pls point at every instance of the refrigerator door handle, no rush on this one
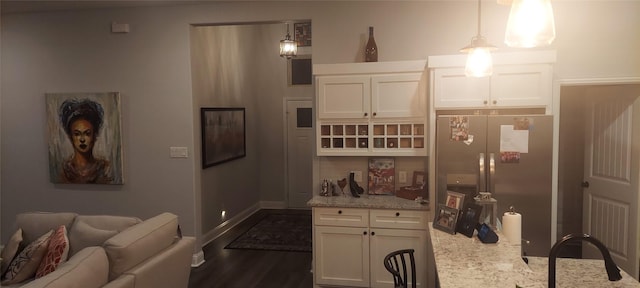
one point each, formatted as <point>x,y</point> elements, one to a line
<point>482,172</point>
<point>492,171</point>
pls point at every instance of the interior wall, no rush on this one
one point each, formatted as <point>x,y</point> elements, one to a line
<point>571,159</point>
<point>74,51</point>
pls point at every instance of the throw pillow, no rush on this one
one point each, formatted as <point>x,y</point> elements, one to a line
<point>10,250</point>
<point>24,266</point>
<point>83,235</point>
<point>57,252</point>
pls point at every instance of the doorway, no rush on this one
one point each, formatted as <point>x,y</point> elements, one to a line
<point>597,178</point>
<point>299,152</point>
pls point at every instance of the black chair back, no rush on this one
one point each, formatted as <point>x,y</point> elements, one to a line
<point>396,263</point>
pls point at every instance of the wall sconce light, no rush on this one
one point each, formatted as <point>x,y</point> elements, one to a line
<point>479,62</point>
<point>530,24</point>
<point>288,47</point>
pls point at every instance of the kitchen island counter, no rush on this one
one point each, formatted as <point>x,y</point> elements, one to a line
<point>466,262</point>
<point>367,201</point>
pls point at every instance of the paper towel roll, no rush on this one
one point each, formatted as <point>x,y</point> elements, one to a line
<point>512,227</point>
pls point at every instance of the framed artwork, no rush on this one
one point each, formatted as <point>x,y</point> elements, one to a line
<point>302,34</point>
<point>446,219</point>
<point>419,179</point>
<point>85,140</point>
<point>299,70</point>
<point>381,176</point>
<point>455,200</point>
<point>223,135</point>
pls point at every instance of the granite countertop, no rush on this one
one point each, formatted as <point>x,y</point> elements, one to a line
<point>367,201</point>
<point>466,262</point>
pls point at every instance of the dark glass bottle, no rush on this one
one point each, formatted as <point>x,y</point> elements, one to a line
<point>371,50</point>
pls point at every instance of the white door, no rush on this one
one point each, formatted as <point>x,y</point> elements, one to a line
<point>612,160</point>
<point>299,152</point>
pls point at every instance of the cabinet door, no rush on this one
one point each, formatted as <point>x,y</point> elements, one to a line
<point>384,241</point>
<point>343,97</point>
<point>401,95</point>
<point>521,86</point>
<point>341,256</point>
<point>452,89</point>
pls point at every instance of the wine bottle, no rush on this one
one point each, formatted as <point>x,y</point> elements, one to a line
<point>371,50</point>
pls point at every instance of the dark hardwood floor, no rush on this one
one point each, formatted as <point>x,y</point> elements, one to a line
<point>231,268</point>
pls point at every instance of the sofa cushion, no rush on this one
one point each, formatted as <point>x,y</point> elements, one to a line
<point>83,235</point>
<point>93,230</point>
<point>24,266</point>
<point>10,250</point>
<point>57,252</point>
<point>34,224</point>
<point>89,268</point>
<point>137,243</point>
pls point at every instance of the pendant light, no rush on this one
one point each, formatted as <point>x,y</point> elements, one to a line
<point>530,24</point>
<point>288,47</point>
<point>479,62</point>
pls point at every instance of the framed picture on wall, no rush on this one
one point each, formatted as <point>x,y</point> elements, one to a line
<point>302,34</point>
<point>223,135</point>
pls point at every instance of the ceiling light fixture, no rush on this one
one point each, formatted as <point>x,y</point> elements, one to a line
<point>288,47</point>
<point>479,62</point>
<point>530,24</point>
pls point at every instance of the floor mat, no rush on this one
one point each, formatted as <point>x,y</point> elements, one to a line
<point>280,232</point>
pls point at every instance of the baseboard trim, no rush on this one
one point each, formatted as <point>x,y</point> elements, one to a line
<point>197,259</point>
<point>273,205</point>
<point>226,225</point>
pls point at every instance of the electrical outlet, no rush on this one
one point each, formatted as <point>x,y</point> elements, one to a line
<point>402,177</point>
<point>357,176</point>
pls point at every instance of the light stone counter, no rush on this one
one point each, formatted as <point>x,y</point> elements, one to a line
<point>466,262</point>
<point>367,201</point>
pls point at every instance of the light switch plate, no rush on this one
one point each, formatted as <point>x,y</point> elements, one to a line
<point>178,152</point>
<point>402,175</point>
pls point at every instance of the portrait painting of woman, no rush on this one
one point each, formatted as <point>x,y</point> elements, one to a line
<point>85,145</point>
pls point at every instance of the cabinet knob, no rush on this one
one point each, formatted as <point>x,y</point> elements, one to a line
<point>364,233</point>
<point>339,211</point>
<point>366,114</point>
<point>373,233</point>
<point>495,102</point>
<point>485,102</point>
<point>374,113</point>
<point>397,214</point>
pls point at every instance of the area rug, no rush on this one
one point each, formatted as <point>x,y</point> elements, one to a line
<point>280,232</point>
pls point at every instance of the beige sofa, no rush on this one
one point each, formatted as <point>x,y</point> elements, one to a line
<point>149,253</point>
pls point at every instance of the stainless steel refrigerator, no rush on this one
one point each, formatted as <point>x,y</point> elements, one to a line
<point>507,155</point>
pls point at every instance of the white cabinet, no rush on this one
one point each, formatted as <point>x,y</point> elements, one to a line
<point>519,80</point>
<point>349,245</point>
<point>361,107</point>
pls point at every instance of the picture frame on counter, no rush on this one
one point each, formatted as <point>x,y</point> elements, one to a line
<point>381,176</point>
<point>446,219</point>
<point>455,200</point>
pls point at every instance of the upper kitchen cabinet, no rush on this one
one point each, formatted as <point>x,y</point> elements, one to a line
<point>519,80</point>
<point>368,109</point>
<point>370,90</point>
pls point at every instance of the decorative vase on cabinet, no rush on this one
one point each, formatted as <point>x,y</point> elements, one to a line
<point>371,50</point>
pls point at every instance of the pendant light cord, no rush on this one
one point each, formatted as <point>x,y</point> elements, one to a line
<point>479,16</point>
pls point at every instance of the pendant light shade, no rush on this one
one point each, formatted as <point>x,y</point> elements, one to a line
<point>288,47</point>
<point>530,24</point>
<point>479,61</point>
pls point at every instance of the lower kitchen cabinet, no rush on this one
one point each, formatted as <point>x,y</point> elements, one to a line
<point>350,244</point>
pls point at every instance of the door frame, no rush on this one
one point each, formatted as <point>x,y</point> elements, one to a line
<point>285,140</point>
<point>557,85</point>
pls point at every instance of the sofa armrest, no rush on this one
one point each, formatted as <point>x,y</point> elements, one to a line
<point>169,268</point>
<point>89,268</point>
<point>140,242</point>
